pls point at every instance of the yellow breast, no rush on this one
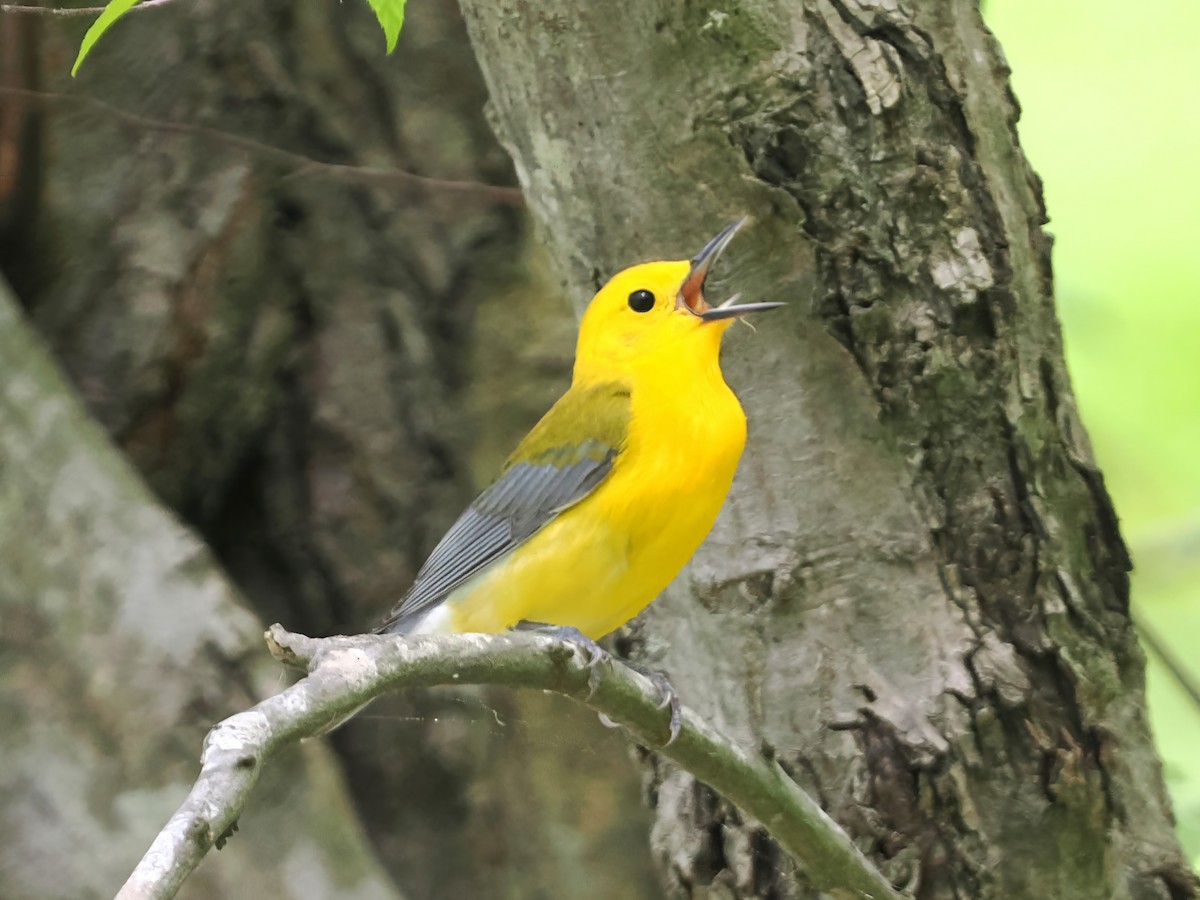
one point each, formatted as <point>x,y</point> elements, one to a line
<point>599,563</point>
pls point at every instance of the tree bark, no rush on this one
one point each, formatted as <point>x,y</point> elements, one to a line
<point>917,591</point>
<point>315,369</point>
<point>121,641</point>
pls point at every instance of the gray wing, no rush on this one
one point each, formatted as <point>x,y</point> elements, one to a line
<point>524,499</point>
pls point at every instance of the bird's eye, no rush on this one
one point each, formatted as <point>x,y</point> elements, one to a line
<point>641,301</point>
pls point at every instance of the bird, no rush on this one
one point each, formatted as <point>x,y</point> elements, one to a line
<point>615,488</point>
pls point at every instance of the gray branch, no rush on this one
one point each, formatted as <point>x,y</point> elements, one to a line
<point>74,10</point>
<point>346,672</point>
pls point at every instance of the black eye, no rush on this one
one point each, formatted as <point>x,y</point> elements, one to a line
<point>641,301</point>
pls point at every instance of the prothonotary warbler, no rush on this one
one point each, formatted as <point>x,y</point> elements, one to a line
<point>613,490</point>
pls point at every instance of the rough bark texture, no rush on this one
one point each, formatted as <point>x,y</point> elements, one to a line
<point>290,358</point>
<point>917,592</point>
<point>120,643</point>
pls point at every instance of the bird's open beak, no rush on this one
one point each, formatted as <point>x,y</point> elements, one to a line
<point>691,292</point>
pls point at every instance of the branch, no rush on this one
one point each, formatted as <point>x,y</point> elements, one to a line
<point>344,673</point>
<point>73,10</point>
<point>1172,663</point>
<point>301,164</point>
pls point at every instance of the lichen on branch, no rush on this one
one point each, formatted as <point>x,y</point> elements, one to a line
<point>346,672</point>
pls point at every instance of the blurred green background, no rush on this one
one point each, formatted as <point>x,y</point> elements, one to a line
<point>1112,124</point>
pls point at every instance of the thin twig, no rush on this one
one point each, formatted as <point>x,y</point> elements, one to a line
<point>346,672</point>
<point>67,12</point>
<point>1170,661</point>
<point>301,164</point>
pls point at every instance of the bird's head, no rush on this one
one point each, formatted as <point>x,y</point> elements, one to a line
<point>656,312</point>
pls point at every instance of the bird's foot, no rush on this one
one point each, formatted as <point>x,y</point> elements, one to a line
<point>593,652</point>
<point>670,698</point>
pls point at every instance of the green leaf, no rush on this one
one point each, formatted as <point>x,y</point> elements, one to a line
<point>390,14</point>
<point>113,11</point>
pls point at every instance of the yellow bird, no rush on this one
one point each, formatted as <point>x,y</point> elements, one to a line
<point>613,490</point>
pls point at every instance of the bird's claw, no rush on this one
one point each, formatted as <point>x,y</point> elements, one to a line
<point>593,652</point>
<point>670,698</point>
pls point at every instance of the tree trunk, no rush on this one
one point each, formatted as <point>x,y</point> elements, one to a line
<point>121,644</point>
<point>917,592</point>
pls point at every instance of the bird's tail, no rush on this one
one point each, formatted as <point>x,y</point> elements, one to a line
<point>399,624</point>
<point>430,619</point>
